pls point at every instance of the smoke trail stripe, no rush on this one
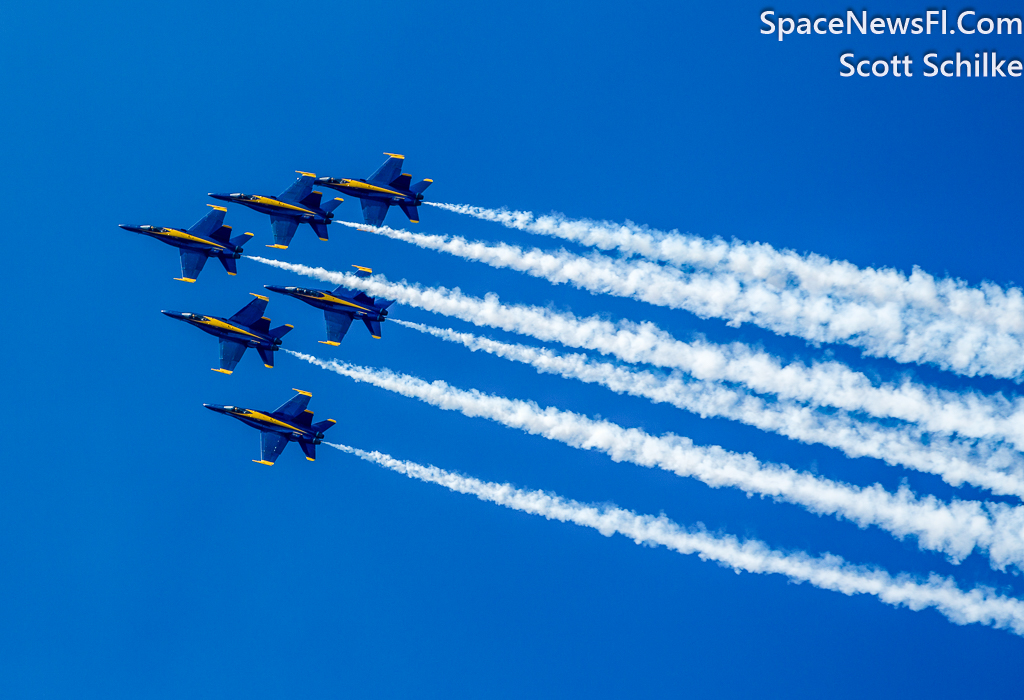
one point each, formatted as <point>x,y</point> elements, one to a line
<point>954,528</point>
<point>828,572</point>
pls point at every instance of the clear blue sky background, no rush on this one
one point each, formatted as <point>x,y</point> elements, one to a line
<point>146,556</point>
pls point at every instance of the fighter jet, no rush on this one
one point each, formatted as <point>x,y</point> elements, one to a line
<point>386,187</point>
<point>206,238</point>
<point>298,204</point>
<point>249,328</point>
<point>291,422</point>
<point>341,307</point>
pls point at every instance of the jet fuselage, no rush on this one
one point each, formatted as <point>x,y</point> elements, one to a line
<point>329,301</point>
<point>225,328</point>
<point>278,207</point>
<point>263,420</point>
<point>179,238</point>
<point>364,190</point>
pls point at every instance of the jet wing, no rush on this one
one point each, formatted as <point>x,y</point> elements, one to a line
<point>230,353</point>
<point>373,212</point>
<point>252,312</point>
<point>387,173</point>
<point>205,227</point>
<point>337,326</point>
<point>284,230</point>
<point>191,264</point>
<point>294,406</point>
<point>299,189</point>
<point>271,446</point>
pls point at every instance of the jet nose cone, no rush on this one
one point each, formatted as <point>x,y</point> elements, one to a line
<point>214,407</point>
<point>129,227</point>
<point>274,288</point>
<point>222,197</point>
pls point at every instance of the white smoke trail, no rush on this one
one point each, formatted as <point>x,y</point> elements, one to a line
<point>915,318</point>
<point>955,461</point>
<point>955,528</point>
<point>832,384</point>
<point>828,572</point>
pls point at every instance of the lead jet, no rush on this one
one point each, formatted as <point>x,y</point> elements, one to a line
<point>291,422</point>
<point>248,328</point>
<point>387,187</point>
<point>298,204</point>
<point>341,307</point>
<point>205,239</point>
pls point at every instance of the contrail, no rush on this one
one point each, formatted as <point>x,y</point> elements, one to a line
<point>829,384</point>
<point>955,528</point>
<point>915,318</point>
<point>955,461</point>
<point>829,572</point>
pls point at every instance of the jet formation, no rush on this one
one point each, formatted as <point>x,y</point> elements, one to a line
<point>250,327</point>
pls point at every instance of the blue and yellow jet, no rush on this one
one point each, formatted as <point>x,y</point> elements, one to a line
<point>291,422</point>
<point>341,307</point>
<point>248,328</point>
<point>387,187</point>
<point>205,239</point>
<point>298,204</point>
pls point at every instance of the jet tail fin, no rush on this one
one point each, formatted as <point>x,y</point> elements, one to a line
<point>420,186</point>
<point>323,425</point>
<point>402,182</point>
<point>320,230</point>
<point>222,234</point>
<point>239,241</point>
<point>373,326</point>
<point>280,331</point>
<point>331,205</point>
<point>229,265</point>
<point>308,449</point>
<point>312,200</point>
<point>267,356</point>
<point>385,303</point>
<point>412,211</point>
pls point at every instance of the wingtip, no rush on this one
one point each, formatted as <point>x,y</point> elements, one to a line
<point>304,393</point>
<point>263,461</point>
<point>310,459</point>
<point>259,296</point>
<point>185,279</point>
<point>268,366</point>
<point>329,342</point>
<point>395,155</point>
<point>222,371</point>
<point>278,246</point>
<point>217,207</point>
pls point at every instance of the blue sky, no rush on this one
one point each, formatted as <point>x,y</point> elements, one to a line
<point>146,556</point>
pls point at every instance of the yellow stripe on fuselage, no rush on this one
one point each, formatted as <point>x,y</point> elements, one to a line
<point>264,418</point>
<point>267,201</point>
<point>355,184</point>
<point>227,327</point>
<point>175,233</point>
<point>336,300</point>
